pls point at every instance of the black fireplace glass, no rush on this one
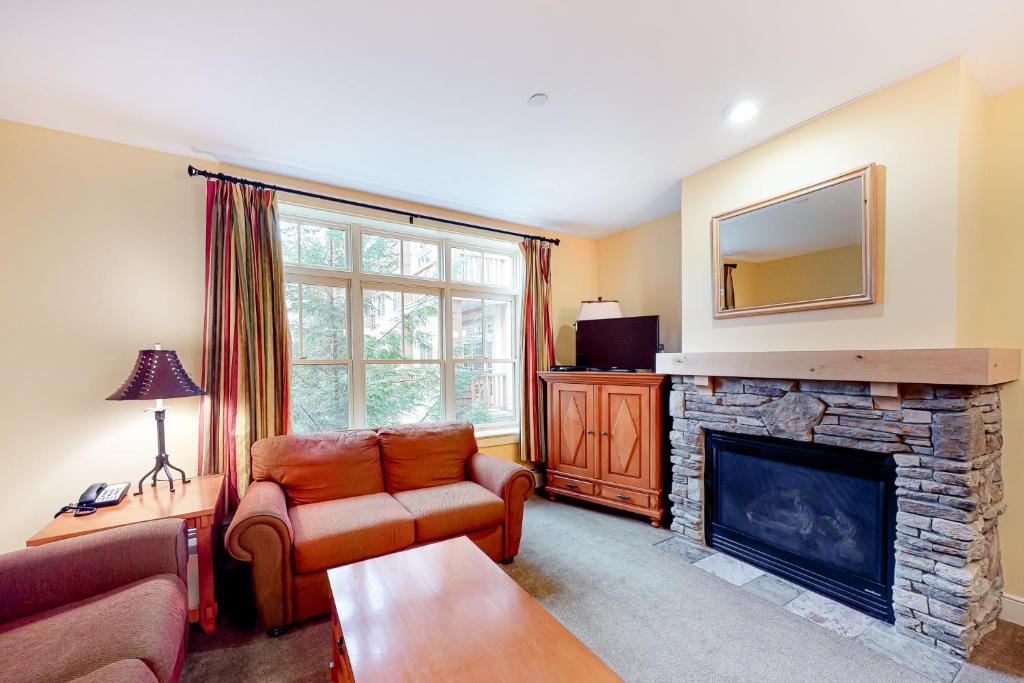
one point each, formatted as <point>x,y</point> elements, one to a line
<point>821,516</point>
<point>827,517</point>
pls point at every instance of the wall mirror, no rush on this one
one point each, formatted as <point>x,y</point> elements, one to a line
<point>811,248</point>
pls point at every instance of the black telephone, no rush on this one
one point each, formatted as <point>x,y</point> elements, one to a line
<point>96,496</point>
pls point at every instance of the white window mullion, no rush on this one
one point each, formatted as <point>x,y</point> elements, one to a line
<point>357,376</point>
<point>449,355</point>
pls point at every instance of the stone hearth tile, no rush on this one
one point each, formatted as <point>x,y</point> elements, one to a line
<point>927,661</point>
<point>729,569</point>
<point>773,589</point>
<point>691,552</point>
<point>832,615</point>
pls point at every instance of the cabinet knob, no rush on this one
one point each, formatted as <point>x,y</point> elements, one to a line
<point>604,433</point>
<point>590,431</point>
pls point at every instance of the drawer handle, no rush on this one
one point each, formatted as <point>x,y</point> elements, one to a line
<point>622,497</point>
<point>571,486</point>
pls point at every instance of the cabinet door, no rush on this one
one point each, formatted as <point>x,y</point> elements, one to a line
<point>572,429</point>
<point>624,420</point>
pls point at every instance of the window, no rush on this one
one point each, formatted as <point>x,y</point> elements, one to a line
<point>394,256</point>
<point>433,330</point>
<point>482,268</point>
<point>318,319</point>
<point>314,244</point>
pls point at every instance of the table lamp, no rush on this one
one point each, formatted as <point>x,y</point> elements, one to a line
<point>158,375</point>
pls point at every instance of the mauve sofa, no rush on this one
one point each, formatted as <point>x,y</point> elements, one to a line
<point>323,500</point>
<point>108,606</point>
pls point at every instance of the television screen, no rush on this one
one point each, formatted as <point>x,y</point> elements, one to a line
<point>628,343</point>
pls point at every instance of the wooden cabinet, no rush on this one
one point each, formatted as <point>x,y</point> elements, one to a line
<point>605,439</point>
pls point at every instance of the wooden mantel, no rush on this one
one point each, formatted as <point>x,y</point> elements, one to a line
<point>970,367</point>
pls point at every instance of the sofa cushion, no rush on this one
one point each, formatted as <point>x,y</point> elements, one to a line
<point>451,510</point>
<point>316,467</point>
<point>345,530</point>
<point>144,620</point>
<point>123,671</point>
<point>416,456</point>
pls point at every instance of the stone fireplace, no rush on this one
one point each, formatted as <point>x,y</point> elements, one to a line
<point>945,441</point>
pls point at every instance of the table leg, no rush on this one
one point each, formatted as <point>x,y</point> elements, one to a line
<point>341,667</point>
<point>207,601</point>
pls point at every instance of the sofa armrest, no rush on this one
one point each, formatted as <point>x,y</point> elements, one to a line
<point>261,533</point>
<point>47,576</point>
<point>510,481</point>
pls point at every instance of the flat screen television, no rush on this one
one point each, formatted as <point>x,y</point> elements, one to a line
<point>625,343</point>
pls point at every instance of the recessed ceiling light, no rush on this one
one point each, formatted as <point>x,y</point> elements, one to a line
<point>537,99</point>
<point>740,112</point>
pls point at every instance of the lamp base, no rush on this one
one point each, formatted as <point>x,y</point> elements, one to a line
<point>163,464</point>
<point>163,461</point>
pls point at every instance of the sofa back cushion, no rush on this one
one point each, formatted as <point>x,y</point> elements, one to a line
<point>416,456</point>
<point>316,467</point>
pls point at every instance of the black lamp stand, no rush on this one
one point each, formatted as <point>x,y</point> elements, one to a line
<point>163,461</point>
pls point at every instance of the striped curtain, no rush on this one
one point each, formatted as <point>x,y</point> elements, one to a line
<point>246,340</point>
<point>538,352</point>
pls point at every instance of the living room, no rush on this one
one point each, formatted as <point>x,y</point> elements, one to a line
<point>512,342</point>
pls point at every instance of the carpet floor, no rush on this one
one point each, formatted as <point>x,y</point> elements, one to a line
<point>648,613</point>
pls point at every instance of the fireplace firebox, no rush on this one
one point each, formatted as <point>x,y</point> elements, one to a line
<point>821,516</point>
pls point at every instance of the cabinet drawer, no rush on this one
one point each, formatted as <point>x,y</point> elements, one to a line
<point>623,496</point>
<point>558,482</point>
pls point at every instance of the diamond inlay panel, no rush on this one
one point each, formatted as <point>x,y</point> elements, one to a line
<point>625,438</point>
<point>572,434</point>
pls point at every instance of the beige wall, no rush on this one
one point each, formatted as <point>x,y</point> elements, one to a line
<point>641,267</point>
<point>1001,276</point>
<point>911,130</point>
<point>820,274</point>
<point>103,251</point>
<point>952,163</point>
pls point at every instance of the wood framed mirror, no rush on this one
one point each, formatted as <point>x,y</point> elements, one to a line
<point>811,248</point>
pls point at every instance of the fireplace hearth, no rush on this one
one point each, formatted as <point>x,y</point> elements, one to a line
<point>820,516</point>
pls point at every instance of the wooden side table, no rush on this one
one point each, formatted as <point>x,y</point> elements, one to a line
<point>197,502</point>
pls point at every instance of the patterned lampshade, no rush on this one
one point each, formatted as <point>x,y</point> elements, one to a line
<point>157,374</point>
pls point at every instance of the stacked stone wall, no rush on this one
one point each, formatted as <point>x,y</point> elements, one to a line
<point>946,442</point>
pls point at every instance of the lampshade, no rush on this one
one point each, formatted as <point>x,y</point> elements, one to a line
<point>594,310</point>
<point>157,374</point>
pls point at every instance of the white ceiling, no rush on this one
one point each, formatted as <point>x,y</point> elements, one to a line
<point>825,219</point>
<point>427,100</point>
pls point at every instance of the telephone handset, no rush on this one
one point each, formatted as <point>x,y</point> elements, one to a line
<point>96,496</point>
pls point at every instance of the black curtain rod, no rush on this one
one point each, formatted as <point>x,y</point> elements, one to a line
<point>193,171</point>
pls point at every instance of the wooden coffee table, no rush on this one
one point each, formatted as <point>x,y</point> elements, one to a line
<point>446,612</point>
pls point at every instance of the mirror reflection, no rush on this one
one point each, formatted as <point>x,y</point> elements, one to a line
<point>784,254</point>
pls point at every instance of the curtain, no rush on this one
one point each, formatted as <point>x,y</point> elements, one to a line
<point>538,351</point>
<point>728,287</point>
<point>245,335</point>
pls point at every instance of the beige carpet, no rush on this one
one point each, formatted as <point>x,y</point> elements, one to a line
<point>648,613</point>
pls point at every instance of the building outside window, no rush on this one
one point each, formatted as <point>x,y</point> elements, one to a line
<point>395,324</point>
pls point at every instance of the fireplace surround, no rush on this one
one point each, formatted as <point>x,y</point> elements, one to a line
<point>944,441</point>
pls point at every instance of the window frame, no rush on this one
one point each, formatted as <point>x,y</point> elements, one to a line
<point>345,227</point>
<point>354,279</point>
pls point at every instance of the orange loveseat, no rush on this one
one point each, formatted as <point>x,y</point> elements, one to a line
<point>322,500</point>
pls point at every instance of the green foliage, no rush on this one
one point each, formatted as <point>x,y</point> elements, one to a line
<point>319,398</point>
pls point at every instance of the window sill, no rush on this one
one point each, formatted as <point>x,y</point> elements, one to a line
<point>497,437</point>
